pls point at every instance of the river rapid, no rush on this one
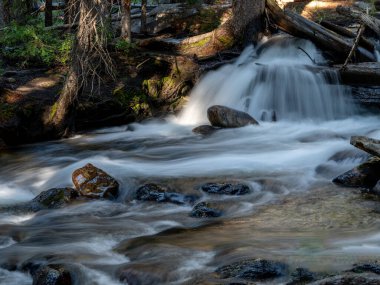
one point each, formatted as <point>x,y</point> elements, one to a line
<point>294,213</point>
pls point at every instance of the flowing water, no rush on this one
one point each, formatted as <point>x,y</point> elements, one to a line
<point>293,213</point>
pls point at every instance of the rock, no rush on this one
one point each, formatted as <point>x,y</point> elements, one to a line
<point>366,144</point>
<point>156,193</point>
<point>377,5</point>
<point>253,270</point>
<point>375,190</point>
<point>93,182</point>
<point>349,279</point>
<point>365,175</point>
<point>3,145</point>
<point>224,117</point>
<point>53,198</point>
<point>205,130</point>
<point>226,188</point>
<point>134,277</point>
<point>10,80</point>
<point>367,267</point>
<point>205,210</point>
<point>52,274</point>
<point>302,276</point>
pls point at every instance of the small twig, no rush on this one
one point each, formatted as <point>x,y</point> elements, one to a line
<point>355,45</point>
<point>312,60</point>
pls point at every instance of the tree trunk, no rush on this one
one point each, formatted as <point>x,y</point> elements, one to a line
<point>126,21</point>
<point>48,13</point>
<point>243,27</point>
<point>2,21</point>
<point>143,16</point>
<point>90,62</point>
<point>7,4</point>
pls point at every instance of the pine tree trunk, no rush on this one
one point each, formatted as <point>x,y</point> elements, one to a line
<point>90,62</point>
<point>2,21</point>
<point>143,16</point>
<point>126,21</point>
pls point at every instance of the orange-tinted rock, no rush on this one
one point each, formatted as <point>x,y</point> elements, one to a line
<point>93,182</point>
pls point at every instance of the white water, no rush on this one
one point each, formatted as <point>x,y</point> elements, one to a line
<point>277,77</point>
<point>315,122</point>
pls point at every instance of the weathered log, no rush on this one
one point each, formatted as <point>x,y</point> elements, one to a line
<point>297,25</point>
<point>366,74</point>
<point>369,145</point>
<point>367,20</point>
<point>366,43</point>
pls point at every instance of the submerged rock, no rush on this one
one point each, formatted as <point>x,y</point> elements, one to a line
<point>349,279</point>
<point>224,117</point>
<point>205,130</point>
<point>253,270</point>
<point>53,198</point>
<point>205,210</point>
<point>156,193</point>
<point>302,276</point>
<point>131,276</point>
<point>226,189</point>
<point>52,274</point>
<point>365,175</point>
<point>93,182</point>
<point>367,267</point>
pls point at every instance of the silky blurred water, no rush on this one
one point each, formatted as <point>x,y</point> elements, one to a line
<point>293,213</point>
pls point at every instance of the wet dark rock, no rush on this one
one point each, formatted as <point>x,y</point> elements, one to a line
<point>302,276</point>
<point>349,279</point>
<point>93,182</point>
<point>377,5</point>
<point>205,210</point>
<point>131,276</point>
<point>349,154</point>
<point>3,145</point>
<point>376,190</point>
<point>53,198</point>
<point>226,188</point>
<point>52,274</point>
<point>155,193</point>
<point>367,267</point>
<point>253,270</point>
<point>365,175</point>
<point>205,130</point>
<point>224,117</point>
<point>366,144</point>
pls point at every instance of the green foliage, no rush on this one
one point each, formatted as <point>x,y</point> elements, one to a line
<point>132,98</point>
<point>125,46</point>
<point>32,45</point>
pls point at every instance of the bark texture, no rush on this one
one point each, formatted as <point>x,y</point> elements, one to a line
<point>244,26</point>
<point>126,21</point>
<point>90,61</point>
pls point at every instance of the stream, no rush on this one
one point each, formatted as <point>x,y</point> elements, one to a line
<point>293,212</point>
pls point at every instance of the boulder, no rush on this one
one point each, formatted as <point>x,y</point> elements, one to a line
<point>349,279</point>
<point>236,189</point>
<point>157,193</point>
<point>131,276</point>
<point>302,276</point>
<point>205,130</point>
<point>367,267</point>
<point>253,270</point>
<point>366,144</point>
<point>93,182</point>
<point>365,175</point>
<point>53,198</point>
<point>224,117</point>
<point>205,210</point>
<point>52,274</point>
<point>375,190</point>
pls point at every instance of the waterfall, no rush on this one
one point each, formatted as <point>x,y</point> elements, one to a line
<point>277,80</point>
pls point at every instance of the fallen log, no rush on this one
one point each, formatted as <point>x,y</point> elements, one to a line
<point>367,20</point>
<point>364,42</point>
<point>369,145</point>
<point>298,26</point>
<point>365,74</point>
